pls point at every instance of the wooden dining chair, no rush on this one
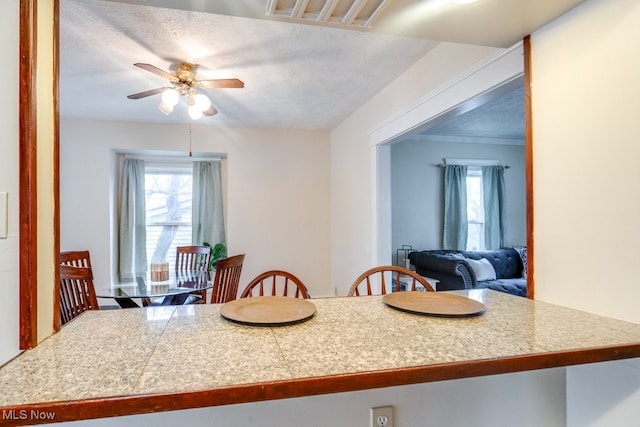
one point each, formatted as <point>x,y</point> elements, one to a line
<point>194,258</point>
<point>76,259</point>
<point>363,284</point>
<point>77,293</point>
<point>226,279</point>
<point>276,282</point>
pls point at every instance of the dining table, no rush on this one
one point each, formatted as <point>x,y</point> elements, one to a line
<point>175,290</point>
<point>108,363</point>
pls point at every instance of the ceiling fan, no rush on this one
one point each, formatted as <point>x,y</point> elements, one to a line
<point>184,83</point>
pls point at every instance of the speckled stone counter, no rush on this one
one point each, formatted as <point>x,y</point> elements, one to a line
<point>129,361</point>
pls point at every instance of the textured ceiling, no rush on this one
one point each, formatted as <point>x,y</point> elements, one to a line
<point>498,121</point>
<point>499,23</point>
<point>295,75</point>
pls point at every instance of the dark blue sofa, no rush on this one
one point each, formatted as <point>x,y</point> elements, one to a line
<point>454,272</point>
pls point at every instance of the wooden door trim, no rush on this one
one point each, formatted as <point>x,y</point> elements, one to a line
<point>528,161</point>
<point>27,165</point>
<point>28,171</point>
<point>56,162</point>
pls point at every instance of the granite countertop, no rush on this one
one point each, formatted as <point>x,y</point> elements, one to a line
<point>141,355</point>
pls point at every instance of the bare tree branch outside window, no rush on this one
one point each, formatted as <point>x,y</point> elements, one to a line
<point>168,197</point>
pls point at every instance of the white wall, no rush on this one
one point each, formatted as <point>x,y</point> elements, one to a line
<point>604,394</point>
<point>587,202</point>
<point>417,190</point>
<point>353,249</point>
<point>277,192</point>
<point>45,185</point>
<point>585,126</point>
<point>9,261</point>
<point>494,401</point>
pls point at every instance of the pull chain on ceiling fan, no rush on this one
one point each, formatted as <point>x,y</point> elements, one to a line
<point>184,83</point>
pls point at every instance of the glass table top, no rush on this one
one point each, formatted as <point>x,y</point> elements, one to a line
<point>180,282</point>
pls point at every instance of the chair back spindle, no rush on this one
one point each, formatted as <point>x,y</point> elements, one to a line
<point>226,279</point>
<point>77,293</point>
<point>194,258</point>
<point>76,259</point>
<point>364,285</point>
<point>275,283</point>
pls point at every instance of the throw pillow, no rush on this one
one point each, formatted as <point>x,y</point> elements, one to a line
<point>483,269</point>
<point>522,251</point>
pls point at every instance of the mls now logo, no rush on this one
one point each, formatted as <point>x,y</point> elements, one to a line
<point>24,414</point>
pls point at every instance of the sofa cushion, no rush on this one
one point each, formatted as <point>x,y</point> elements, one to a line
<point>483,269</point>
<point>506,262</point>
<point>510,286</point>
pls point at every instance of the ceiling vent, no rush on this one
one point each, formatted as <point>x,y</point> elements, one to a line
<point>351,13</point>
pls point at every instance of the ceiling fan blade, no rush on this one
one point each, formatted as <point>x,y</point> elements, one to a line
<point>221,83</point>
<point>147,93</point>
<point>155,70</point>
<point>210,111</point>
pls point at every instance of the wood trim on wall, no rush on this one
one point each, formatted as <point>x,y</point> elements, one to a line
<point>528,161</point>
<point>56,161</point>
<point>27,165</point>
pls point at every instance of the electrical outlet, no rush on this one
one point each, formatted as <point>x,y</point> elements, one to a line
<point>382,416</point>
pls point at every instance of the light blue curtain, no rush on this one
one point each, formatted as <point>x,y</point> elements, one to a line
<point>132,231</point>
<point>207,220</point>
<point>455,207</point>
<point>494,206</point>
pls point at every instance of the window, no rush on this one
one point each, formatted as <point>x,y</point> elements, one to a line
<point>168,196</point>
<point>156,204</point>
<point>474,202</point>
<point>475,210</point>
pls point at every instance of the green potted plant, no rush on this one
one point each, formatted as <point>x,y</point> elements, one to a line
<point>218,252</point>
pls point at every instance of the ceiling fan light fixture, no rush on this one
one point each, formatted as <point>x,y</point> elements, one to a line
<point>165,109</point>
<point>183,84</point>
<point>202,101</point>
<point>170,97</point>
<point>194,112</point>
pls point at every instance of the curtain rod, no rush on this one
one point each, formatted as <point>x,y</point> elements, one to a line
<point>171,159</point>
<point>441,165</point>
<point>470,162</point>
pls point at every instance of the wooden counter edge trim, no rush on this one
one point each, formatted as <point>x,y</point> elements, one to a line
<point>257,392</point>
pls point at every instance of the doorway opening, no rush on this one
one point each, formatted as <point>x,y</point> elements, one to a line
<point>495,79</point>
